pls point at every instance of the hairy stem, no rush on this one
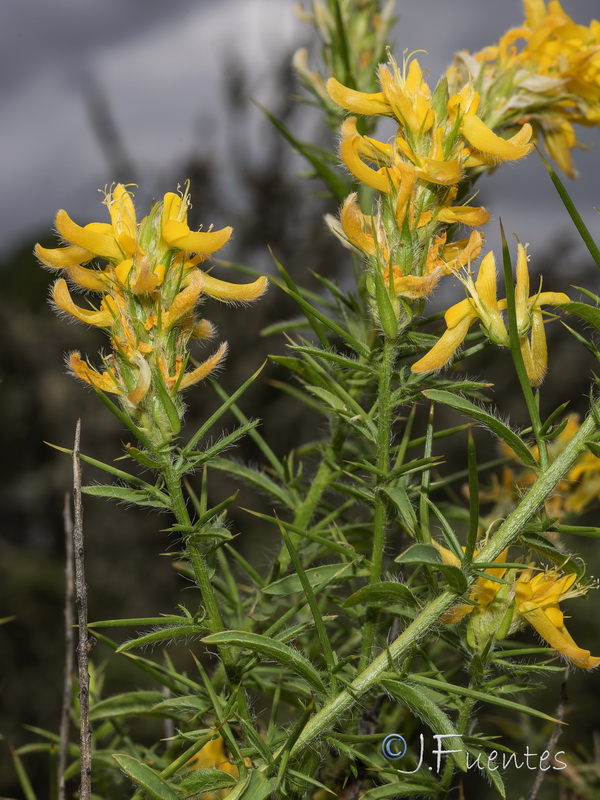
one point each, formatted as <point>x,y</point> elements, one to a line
<point>384,428</point>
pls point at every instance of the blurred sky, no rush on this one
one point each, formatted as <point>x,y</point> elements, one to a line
<point>159,66</point>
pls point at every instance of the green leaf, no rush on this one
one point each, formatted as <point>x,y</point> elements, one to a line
<point>122,705</point>
<point>385,309</point>
<point>311,311</point>
<point>573,212</point>
<point>198,781</point>
<point>225,406</point>
<point>381,594</point>
<point>578,530</point>
<point>590,314</point>
<point>269,648</point>
<point>255,478</point>
<point>501,430</point>
<point>146,778</point>
<point>255,787</point>
<point>421,704</point>
<point>401,788</point>
<point>197,458</point>
<point>484,697</point>
<point>338,186</point>
<point>139,497</point>
<point>428,555</point>
<point>492,774</point>
<point>166,635</point>
<point>539,543</point>
<point>420,554</point>
<point>399,497</point>
<point>24,781</point>
<point>118,473</point>
<point>188,704</point>
<point>316,576</point>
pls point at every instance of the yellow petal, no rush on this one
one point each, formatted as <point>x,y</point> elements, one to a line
<point>445,347</point>
<point>353,224</point>
<point>97,237</point>
<point>122,271</point>
<point>463,252</point>
<point>62,257</point>
<point>143,382</point>
<point>551,299</point>
<point>62,298</point>
<point>177,234</point>
<point>204,369</point>
<point>123,219</point>
<point>146,280</point>
<point>522,289</point>
<point>444,173</point>
<point>535,11</point>
<point>464,215</point>
<point>486,284</point>
<point>413,286</point>
<point>455,614</point>
<point>184,301</point>
<point>477,133</point>
<point>94,279</point>
<point>233,292</point>
<point>458,312</point>
<point>203,330</point>
<point>535,354</point>
<point>560,640</point>
<point>406,178</point>
<point>357,102</point>
<point>104,381</point>
<point>349,152</point>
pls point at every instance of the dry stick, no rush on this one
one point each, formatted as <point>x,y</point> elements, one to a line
<point>556,732</point>
<point>69,648</point>
<point>85,732</point>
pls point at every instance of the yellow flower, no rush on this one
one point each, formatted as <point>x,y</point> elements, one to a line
<point>533,598</point>
<point>546,72</point>
<point>149,291</point>
<point>530,318</point>
<point>482,593</point>
<point>536,601</point>
<point>484,305</point>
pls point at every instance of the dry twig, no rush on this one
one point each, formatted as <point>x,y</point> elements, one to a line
<point>85,736</point>
<point>69,648</point>
<point>556,732</point>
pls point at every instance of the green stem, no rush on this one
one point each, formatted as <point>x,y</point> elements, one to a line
<point>199,565</point>
<point>503,537</point>
<point>384,425</point>
<point>308,506</point>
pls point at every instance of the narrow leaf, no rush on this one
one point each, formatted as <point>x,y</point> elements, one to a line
<point>269,648</point>
<point>146,778</point>
<point>501,430</point>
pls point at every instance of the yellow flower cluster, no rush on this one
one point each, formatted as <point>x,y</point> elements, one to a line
<point>149,289</point>
<point>545,72</point>
<point>509,598</point>
<point>483,305</point>
<point>418,176</point>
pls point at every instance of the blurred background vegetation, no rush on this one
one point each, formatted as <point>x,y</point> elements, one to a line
<point>40,403</point>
